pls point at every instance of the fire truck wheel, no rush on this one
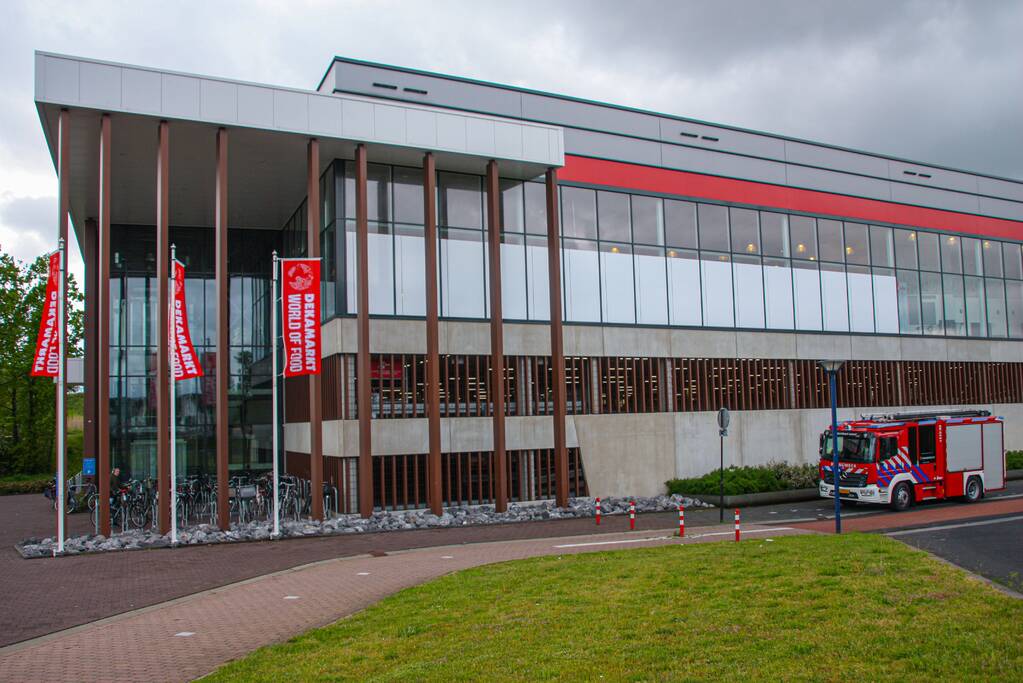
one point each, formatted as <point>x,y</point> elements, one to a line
<point>902,497</point>
<point>974,490</point>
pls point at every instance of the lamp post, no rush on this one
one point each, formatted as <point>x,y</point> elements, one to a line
<point>831,367</point>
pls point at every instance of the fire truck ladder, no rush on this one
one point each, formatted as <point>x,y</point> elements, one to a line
<point>926,415</point>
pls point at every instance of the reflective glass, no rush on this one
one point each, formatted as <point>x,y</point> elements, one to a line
<point>351,269</point>
<point>905,248</point>
<point>748,276</point>
<point>932,310</point>
<point>582,280</point>
<point>857,247</point>
<point>1013,260</point>
<point>829,235</point>
<point>381,270</point>
<point>460,200</point>
<point>861,298</point>
<point>462,281</point>
<point>684,287</point>
<point>378,193</point>
<point>803,233</point>
<point>992,258</point>
<point>410,270</point>
<point>647,220</point>
<point>951,254</point>
<point>806,283</point>
<point>1014,307</point>
<point>995,298</point>
<point>774,233</point>
<point>537,279</point>
<point>973,258</point>
<point>578,213</point>
<point>834,297</point>
<point>716,275</point>
<point>651,286</point>
<point>778,292</point>
<point>909,302</point>
<point>408,195</point>
<point>955,305</point>
<point>886,301</point>
<point>976,319</point>
<point>513,277</point>
<point>927,251</point>
<point>613,216</point>
<point>713,223</point>
<point>617,283</point>
<point>536,208</point>
<point>512,217</point>
<point>745,231</point>
<point>680,224</point>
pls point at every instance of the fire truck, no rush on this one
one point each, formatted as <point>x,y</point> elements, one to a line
<point>903,458</point>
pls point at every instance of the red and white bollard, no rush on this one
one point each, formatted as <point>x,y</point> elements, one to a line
<point>598,512</point>
<point>736,525</point>
<point>681,521</point>
<point>632,515</point>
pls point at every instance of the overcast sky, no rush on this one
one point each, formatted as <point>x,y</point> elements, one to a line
<point>935,81</point>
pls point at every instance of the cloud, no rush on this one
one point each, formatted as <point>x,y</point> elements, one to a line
<point>27,226</point>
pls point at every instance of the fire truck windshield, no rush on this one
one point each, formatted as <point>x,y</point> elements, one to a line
<point>852,446</point>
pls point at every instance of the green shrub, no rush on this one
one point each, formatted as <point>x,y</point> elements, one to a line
<point>24,483</point>
<point>775,476</point>
<point>1014,460</point>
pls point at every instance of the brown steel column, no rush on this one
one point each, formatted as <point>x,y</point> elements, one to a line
<point>103,306</point>
<point>89,247</point>
<point>434,492</point>
<point>496,338</point>
<point>364,394</point>
<point>162,329</point>
<point>315,399</point>
<point>223,361</point>
<point>557,340</point>
<point>63,209</point>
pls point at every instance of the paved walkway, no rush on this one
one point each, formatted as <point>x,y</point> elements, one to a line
<point>919,516</point>
<point>186,638</point>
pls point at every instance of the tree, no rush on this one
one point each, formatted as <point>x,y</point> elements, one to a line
<point>27,404</point>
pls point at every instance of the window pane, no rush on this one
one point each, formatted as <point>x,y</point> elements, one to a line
<point>745,231</point>
<point>716,275</point>
<point>932,309</point>
<point>774,232</point>
<point>536,208</point>
<point>992,258</point>
<point>909,301</point>
<point>973,259</point>
<point>613,216</point>
<point>410,270</point>
<point>684,287</point>
<point>381,270</point>
<point>748,276</point>
<point>460,200</point>
<point>835,297</point>
<point>1013,260</point>
<point>778,292</point>
<point>408,195</point>
<point>462,283</point>
<point>951,254</point>
<point>857,249</point>
<point>651,286</point>
<point>647,220</point>
<point>882,251</point>
<point>512,218</point>
<point>976,318</point>
<point>578,213</point>
<point>861,298</point>
<point>616,283</point>
<point>995,296</point>
<point>582,281</point>
<point>955,306</point>
<point>803,231</point>
<point>513,277</point>
<point>713,222</point>
<point>905,249</point>
<point>680,224</point>
<point>830,237</point>
<point>378,195</point>
<point>927,249</point>
<point>537,278</point>
<point>807,284</point>
<point>1014,307</point>
<point>351,268</point>
<point>886,301</point>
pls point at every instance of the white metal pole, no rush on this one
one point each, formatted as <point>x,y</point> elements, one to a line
<point>61,386</point>
<point>273,410</point>
<point>173,328</point>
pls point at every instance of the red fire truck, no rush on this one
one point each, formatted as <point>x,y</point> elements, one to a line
<point>904,458</point>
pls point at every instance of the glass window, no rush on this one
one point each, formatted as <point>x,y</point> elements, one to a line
<point>351,268</point>
<point>829,234</point>
<point>976,319</point>
<point>462,279</point>
<point>713,222</point>
<point>835,298</point>
<point>955,305</point>
<point>905,248</point>
<point>460,200</point>
<point>932,309</point>
<point>909,301</point>
<point>861,298</point>
<point>647,220</point>
<point>995,297</point>
<point>578,213</point>
<point>973,258</point>
<point>378,193</point>
<point>616,279</point>
<point>803,233</point>
<point>716,275</point>
<point>774,233</point>
<point>927,250</point>
<point>1014,307</point>
<point>748,276</point>
<point>951,254</point>
<point>806,282</point>
<point>613,216</point>
<point>882,250</point>
<point>992,258</point>
<point>680,224</point>
<point>651,286</point>
<point>512,218</point>
<point>582,280</point>
<point>537,278</point>
<point>381,270</point>
<point>745,231</point>
<point>684,287</point>
<point>513,277</point>
<point>1013,261</point>
<point>778,292</point>
<point>857,247</point>
<point>408,195</point>
<point>886,301</point>
<point>536,208</point>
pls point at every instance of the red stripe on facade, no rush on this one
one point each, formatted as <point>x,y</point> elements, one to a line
<point>667,181</point>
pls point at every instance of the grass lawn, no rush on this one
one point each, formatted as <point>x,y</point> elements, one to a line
<point>854,607</point>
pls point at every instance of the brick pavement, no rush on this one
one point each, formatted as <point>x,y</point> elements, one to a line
<point>918,516</point>
<point>228,622</point>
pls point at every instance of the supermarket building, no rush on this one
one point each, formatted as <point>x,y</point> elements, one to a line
<point>525,295</point>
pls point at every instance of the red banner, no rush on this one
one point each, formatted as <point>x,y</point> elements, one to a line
<point>47,359</point>
<point>300,301</point>
<point>186,363</point>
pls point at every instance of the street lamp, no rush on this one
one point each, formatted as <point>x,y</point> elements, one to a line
<point>832,367</point>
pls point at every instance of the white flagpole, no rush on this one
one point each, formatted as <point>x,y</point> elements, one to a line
<point>273,410</point>
<point>61,386</point>
<point>173,327</point>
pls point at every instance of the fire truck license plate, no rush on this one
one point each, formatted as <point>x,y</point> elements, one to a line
<point>844,492</point>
